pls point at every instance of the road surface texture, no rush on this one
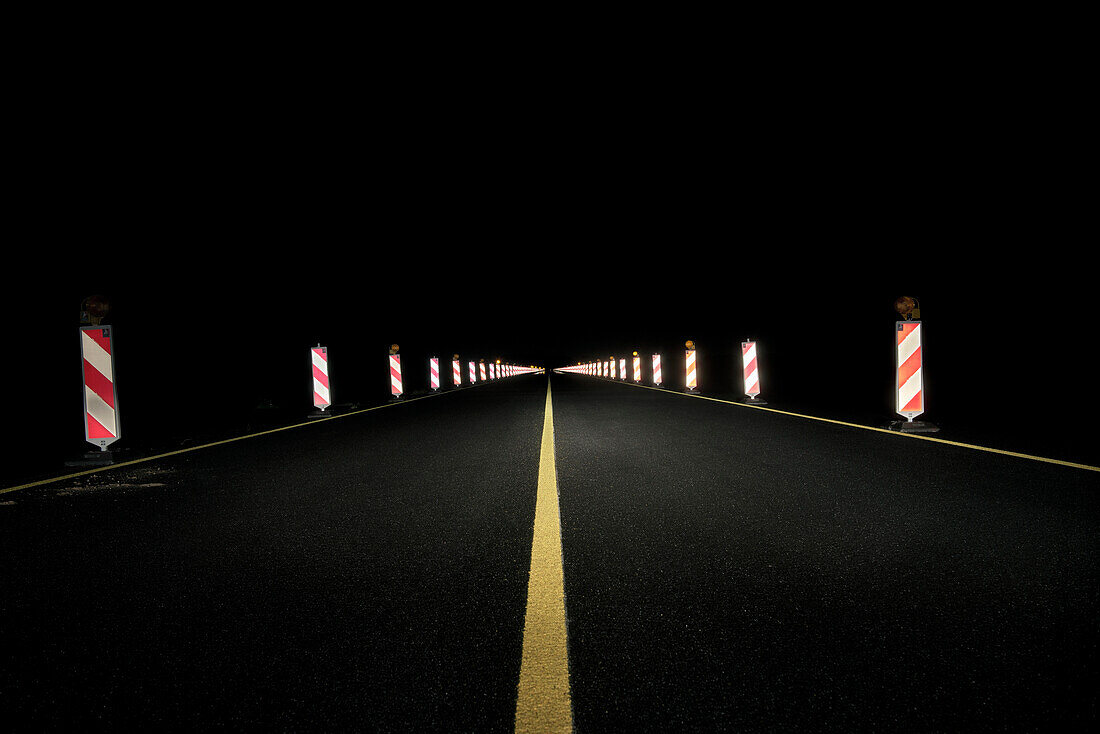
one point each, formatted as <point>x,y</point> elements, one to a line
<point>725,568</point>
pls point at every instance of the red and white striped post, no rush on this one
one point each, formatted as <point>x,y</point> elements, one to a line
<point>690,377</point>
<point>614,371</point>
<point>101,424</point>
<point>622,368</point>
<point>473,373</point>
<point>433,373</point>
<point>456,368</point>
<point>396,387</point>
<point>322,394</point>
<point>750,371</point>
<point>657,370</point>
<point>481,370</point>
<point>637,368</point>
<point>910,380</point>
<point>909,400</point>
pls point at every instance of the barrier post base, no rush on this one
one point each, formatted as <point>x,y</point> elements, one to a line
<point>752,400</point>
<point>94,458</point>
<point>913,427</point>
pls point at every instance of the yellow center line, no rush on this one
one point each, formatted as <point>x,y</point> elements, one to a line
<point>543,703</point>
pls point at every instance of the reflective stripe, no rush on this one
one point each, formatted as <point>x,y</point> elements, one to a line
<point>100,417</point>
<point>97,355</point>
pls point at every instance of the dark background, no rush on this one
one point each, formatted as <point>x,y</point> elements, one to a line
<point>239,202</point>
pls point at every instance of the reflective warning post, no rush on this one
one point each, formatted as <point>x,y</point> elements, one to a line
<point>101,423</point>
<point>322,394</point>
<point>750,372</point>
<point>691,381</point>
<point>909,374</point>
<point>396,386</point>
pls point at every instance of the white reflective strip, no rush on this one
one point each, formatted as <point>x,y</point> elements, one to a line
<point>319,362</point>
<point>97,357</point>
<point>318,388</point>
<point>908,345</point>
<point>751,381</point>
<point>99,410</point>
<point>911,387</point>
<point>751,354</point>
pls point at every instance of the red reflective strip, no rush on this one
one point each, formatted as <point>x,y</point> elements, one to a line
<point>96,429</point>
<point>96,335</point>
<point>100,385</point>
<point>905,330</point>
<point>320,376</point>
<point>751,367</point>
<point>909,367</point>
<point>318,399</point>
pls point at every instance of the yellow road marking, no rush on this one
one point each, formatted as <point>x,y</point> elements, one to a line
<point>922,437</point>
<point>543,703</point>
<point>165,455</point>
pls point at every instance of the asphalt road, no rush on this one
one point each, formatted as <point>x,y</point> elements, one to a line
<point>725,568</point>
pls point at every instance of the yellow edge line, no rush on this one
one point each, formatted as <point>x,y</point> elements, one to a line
<point>144,459</point>
<point>1016,454</point>
<point>543,702</point>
